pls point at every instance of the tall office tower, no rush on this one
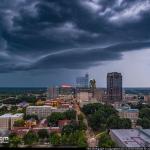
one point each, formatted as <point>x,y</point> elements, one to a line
<point>82,82</point>
<point>114,87</point>
<point>52,92</point>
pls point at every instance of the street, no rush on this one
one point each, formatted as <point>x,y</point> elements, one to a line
<point>91,138</point>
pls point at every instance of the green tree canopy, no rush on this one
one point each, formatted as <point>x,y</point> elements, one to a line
<point>30,138</point>
<point>144,122</point>
<point>19,123</point>
<point>76,138</point>
<point>55,138</point>
<point>33,116</point>
<point>54,117</point>
<point>43,133</point>
<point>80,117</point>
<point>105,141</point>
<point>70,114</point>
<point>97,119</point>
<point>14,140</point>
<point>145,113</point>
<point>91,108</point>
<point>125,123</point>
<point>82,125</point>
<point>70,128</point>
<point>114,122</point>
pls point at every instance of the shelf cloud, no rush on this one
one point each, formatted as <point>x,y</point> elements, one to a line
<point>73,34</point>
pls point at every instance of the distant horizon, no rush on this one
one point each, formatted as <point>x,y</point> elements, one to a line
<point>59,86</point>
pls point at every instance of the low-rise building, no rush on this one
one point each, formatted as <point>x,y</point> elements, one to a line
<point>7,120</point>
<point>40,111</point>
<point>43,111</point>
<point>23,104</point>
<point>147,99</point>
<point>62,123</point>
<point>30,123</point>
<point>43,123</point>
<point>88,102</point>
<point>84,96</point>
<point>127,112</point>
<point>131,137</point>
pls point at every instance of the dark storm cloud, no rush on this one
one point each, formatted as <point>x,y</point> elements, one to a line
<point>71,34</point>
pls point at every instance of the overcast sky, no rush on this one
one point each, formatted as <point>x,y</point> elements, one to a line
<point>49,42</point>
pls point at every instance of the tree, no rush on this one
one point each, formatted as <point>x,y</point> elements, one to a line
<point>97,114</point>
<point>91,108</point>
<point>144,122</point>
<point>75,138</point>
<point>81,142</point>
<point>70,114</point>
<point>54,117</point>
<point>97,119</point>
<point>125,123</point>
<point>33,116</point>
<point>30,99</point>
<point>69,128</point>
<point>114,122</point>
<point>82,125</point>
<point>80,117</point>
<point>55,138</point>
<point>43,133</point>
<point>105,141</point>
<point>144,113</point>
<point>64,139</point>
<point>14,140</point>
<point>19,123</point>
<point>109,110</point>
<point>30,138</point>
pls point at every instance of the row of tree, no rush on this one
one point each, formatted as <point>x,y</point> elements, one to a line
<point>144,118</point>
<point>75,137</point>
<point>21,98</point>
<point>101,117</point>
<point>105,141</point>
<point>56,116</point>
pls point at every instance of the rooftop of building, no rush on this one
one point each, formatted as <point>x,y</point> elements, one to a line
<point>133,137</point>
<point>43,106</point>
<point>18,115</point>
<point>23,103</point>
<point>113,73</point>
<point>8,115</point>
<point>61,122</point>
<point>128,110</point>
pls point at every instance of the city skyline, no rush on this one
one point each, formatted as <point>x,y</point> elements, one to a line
<point>44,43</point>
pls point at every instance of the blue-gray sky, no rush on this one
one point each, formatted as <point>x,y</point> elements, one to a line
<point>49,42</point>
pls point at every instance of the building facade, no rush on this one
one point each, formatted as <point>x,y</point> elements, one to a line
<point>131,137</point>
<point>82,82</point>
<point>52,92</point>
<point>40,111</point>
<point>132,114</point>
<point>7,120</point>
<point>84,96</point>
<point>114,87</point>
<point>43,111</point>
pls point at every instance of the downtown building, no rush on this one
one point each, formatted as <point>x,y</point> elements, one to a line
<point>82,82</point>
<point>7,120</point>
<point>114,87</point>
<point>131,138</point>
<point>43,111</point>
<point>52,92</point>
<point>127,112</point>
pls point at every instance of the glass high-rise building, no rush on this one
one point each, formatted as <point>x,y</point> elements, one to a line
<point>82,82</point>
<point>114,87</point>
